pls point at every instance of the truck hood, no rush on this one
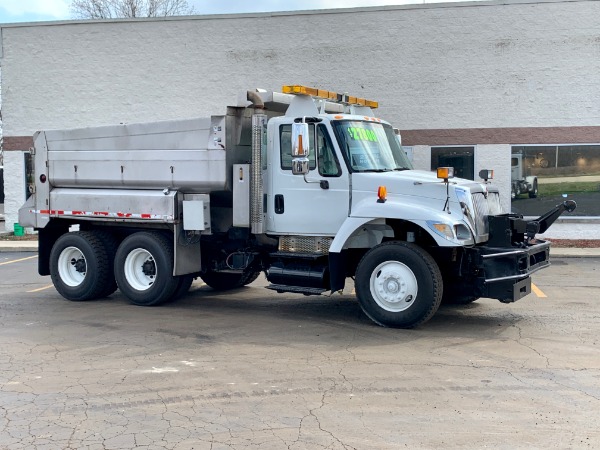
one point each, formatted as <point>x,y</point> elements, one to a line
<point>416,183</point>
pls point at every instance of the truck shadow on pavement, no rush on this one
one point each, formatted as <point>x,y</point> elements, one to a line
<point>485,317</point>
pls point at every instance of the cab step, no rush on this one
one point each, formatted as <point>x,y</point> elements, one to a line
<point>296,289</point>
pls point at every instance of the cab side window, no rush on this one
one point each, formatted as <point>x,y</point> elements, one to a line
<point>285,146</point>
<point>328,163</point>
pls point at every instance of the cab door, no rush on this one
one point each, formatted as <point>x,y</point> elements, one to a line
<point>315,204</point>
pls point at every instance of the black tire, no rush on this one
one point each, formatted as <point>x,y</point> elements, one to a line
<point>534,190</point>
<point>222,281</point>
<point>110,244</point>
<point>144,268</point>
<point>80,267</point>
<point>413,290</point>
<point>183,286</point>
<point>250,277</point>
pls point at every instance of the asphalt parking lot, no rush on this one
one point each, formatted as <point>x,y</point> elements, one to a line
<point>256,369</point>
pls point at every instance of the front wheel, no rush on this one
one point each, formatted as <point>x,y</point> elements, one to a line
<point>144,268</point>
<point>534,190</point>
<point>398,285</point>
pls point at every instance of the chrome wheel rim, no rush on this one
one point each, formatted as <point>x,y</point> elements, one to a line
<point>140,269</point>
<point>72,266</point>
<point>393,286</point>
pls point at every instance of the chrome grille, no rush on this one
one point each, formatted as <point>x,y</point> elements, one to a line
<point>482,210</point>
<point>485,207</point>
<point>494,203</point>
<point>305,244</point>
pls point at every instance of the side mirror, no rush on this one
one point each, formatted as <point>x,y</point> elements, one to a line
<point>300,148</point>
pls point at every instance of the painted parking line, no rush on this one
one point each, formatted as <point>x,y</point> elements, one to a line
<point>537,291</point>
<point>41,289</point>
<point>18,260</point>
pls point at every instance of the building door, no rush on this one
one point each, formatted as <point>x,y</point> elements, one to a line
<point>461,158</point>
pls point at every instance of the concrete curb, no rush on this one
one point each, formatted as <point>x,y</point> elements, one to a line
<point>18,246</point>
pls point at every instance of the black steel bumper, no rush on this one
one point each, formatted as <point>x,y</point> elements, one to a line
<point>503,266</point>
<point>504,273</point>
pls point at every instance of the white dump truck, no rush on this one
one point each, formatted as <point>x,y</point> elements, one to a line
<point>306,185</point>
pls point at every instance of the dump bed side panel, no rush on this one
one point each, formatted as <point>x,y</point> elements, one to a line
<point>186,155</point>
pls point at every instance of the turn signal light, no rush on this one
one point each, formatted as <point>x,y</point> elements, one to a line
<point>445,172</point>
<point>381,194</point>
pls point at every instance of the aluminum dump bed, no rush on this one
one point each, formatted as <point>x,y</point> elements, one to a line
<point>186,155</point>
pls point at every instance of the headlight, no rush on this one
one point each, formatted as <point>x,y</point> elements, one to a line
<point>443,229</point>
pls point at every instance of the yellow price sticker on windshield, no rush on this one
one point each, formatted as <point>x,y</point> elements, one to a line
<point>362,134</point>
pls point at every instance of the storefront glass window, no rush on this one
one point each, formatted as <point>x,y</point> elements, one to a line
<point>544,176</point>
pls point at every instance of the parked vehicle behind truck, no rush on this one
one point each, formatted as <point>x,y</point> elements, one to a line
<point>305,185</point>
<point>520,182</point>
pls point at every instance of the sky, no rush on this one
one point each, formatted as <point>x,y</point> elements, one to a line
<point>40,10</point>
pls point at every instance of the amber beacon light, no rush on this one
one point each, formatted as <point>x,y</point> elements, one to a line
<point>381,194</point>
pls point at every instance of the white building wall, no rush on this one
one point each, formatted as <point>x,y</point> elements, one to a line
<point>467,65</point>
<point>422,157</point>
<point>495,157</point>
<point>14,187</point>
<point>456,65</point>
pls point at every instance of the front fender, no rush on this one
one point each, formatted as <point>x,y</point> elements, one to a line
<point>369,211</point>
<point>352,226</point>
<point>530,180</point>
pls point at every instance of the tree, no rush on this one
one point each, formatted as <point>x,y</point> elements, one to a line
<point>113,9</point>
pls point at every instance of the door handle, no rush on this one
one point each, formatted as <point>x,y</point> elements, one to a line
<point>279,204</point>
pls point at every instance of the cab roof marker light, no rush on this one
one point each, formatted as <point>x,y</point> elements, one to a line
<point>328,95</point>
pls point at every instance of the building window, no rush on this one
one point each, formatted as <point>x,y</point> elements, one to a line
<point>543,176</point>
<point>461,158</point>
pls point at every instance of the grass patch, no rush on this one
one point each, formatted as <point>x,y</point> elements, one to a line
<point>568,188</point>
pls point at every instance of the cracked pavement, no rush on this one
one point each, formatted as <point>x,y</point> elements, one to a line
<point>255,369</point>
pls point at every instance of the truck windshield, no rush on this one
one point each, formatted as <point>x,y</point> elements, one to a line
<point>370,146</point>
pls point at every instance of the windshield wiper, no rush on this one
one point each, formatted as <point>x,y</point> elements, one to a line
<point>400,169</point>
<point>376,170</point>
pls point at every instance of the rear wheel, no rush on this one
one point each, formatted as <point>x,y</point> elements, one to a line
<point>222,281</point>
<point>144,268</point>
<point>80,266</point>
<point>110,244</point>
<point>398,285</point>
<point>183,286</point>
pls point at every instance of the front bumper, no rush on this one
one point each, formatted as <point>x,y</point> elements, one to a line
<point>502,267</point>
<point>504,273</point>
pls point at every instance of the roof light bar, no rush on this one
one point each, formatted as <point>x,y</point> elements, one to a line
<point>328,95</point>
